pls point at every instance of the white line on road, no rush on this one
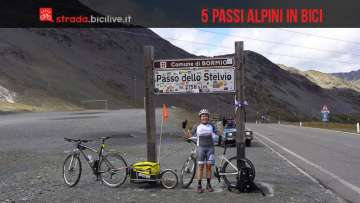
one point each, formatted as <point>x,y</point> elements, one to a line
<point>290,162</point>
<point>332,175</point>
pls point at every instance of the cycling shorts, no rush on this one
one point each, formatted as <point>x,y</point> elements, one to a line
<point>205,155</point>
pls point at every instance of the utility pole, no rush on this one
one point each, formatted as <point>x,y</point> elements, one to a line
<point>149,103</point>
<point>240,110</point>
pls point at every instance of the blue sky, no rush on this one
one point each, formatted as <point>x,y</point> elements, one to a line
<point>324,49</point>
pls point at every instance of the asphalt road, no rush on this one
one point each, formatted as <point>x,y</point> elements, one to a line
<point>331,157</point>
<point>32,151</point>
<point>45,131</point>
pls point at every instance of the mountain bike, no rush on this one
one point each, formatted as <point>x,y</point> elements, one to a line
<point>188,169</point>
<point>226,169</point>
<point>110,168</point>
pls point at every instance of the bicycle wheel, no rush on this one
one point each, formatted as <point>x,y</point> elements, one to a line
<point>168,179</point>
<point>113,170</point>
<point>188,172</point>
<point>231,177</point>
<point>72,170</point>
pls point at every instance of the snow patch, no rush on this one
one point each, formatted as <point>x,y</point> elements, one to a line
<point>6,95</point>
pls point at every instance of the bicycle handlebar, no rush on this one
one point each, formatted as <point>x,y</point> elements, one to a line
<point>83,140</point>
<point>189,140</point>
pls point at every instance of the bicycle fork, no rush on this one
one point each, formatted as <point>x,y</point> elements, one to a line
<point>71,167</point>
<point>74,160</point>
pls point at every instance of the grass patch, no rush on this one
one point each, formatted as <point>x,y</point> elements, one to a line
<point>6,107</point>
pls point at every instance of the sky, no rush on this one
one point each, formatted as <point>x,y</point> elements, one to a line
<point>327,50</point>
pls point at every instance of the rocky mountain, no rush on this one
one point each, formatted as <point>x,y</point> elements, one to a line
<point>324,80</point>
<point>350,76</point>
<point>290,92</point>
<point>61,67</point>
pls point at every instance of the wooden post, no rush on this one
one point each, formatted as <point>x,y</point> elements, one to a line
<point>240,98</point>
<point>149,103</point>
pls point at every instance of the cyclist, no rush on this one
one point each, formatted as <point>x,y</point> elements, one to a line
<point>205,148</point>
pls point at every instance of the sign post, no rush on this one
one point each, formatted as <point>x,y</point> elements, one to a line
<point>149,104</point>
<point>240,108</point>
<point>194,76</point>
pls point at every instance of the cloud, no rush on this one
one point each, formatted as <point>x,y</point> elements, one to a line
<point>184,39</point>
<point>308,51</point>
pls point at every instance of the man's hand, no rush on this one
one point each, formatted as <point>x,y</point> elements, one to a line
<point>187,134</point>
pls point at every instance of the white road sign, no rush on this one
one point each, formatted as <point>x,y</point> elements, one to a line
<point>194,80</point>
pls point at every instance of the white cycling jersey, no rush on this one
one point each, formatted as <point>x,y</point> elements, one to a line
<point>204,134</point>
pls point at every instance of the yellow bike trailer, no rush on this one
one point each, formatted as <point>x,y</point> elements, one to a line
<point>149,172</point>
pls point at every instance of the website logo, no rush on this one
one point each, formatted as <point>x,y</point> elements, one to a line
<point>46,15</point>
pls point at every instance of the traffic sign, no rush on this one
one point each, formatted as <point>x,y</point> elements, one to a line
<point>325,109</point>
<point>325,114</point>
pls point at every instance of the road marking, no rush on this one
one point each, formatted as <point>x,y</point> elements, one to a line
<point>332,175</point>
<point>290,162</point>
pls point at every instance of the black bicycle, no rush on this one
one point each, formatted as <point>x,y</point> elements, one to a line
<point>110,168</point>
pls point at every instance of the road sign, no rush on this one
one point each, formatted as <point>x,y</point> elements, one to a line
<point>194,80</point>
<point>325,114</point>
<point>190,63</point>
<point>325,109</point>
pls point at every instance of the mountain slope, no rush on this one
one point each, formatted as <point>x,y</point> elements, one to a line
<point>350,76</point>
<point>56,69</point>
<point>324,80</point>
<point>289,92</point>
<point>76,64</point>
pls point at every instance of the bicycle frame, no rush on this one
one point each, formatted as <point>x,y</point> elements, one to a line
<point>80,148</point>
<point>222,159</point>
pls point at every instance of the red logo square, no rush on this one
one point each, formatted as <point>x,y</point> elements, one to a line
<point>45,14</point>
